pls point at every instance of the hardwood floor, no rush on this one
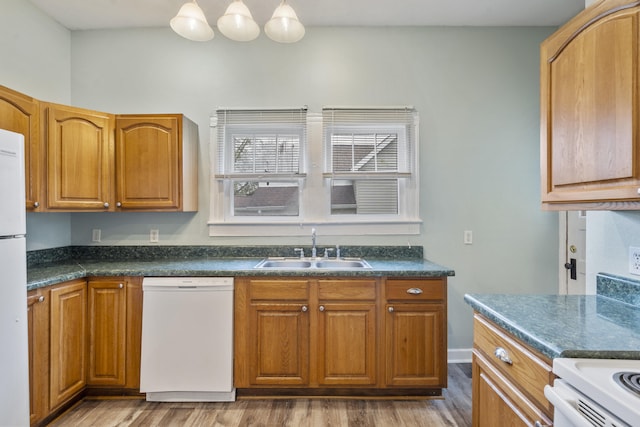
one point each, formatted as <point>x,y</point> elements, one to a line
<point>453,410</point>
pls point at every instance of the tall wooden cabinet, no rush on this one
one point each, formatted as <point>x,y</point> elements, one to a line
<point>156,167</point>
<point>79,158</point>
<point>590,104</point>
<point>20,113</point>
<point>68,341</point>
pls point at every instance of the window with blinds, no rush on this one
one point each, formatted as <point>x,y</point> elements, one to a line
<point>260,160</point>
<point>368,152</point>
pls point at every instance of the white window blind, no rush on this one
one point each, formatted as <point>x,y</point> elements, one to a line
<point>367,151</point>
<point>261,143</point>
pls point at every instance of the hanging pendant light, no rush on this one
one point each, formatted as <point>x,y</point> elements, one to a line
<point>284,26</point>
<point>191,23</point>
<point>237,23</point>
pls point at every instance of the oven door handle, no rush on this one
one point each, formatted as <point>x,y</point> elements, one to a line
<point>560,399</point>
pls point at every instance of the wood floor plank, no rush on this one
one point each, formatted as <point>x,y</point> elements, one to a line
<point>452,411</point>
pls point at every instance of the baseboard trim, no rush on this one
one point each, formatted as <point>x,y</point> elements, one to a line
<point>459,355</point>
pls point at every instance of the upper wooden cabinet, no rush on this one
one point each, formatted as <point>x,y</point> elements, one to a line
<point>590,106</point>
<point>79,158</point>
<point>19,113</point>
<point>156,163</point>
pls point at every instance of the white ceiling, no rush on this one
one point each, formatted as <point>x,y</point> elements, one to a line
<point>102,14</point>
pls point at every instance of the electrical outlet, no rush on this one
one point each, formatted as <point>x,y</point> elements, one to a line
<point>96,235</point>
<point>154,235</point>
<point>634,260</point>
<point>468,237</point>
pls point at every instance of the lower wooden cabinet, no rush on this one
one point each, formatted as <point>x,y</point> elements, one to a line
<point>347,333</point>
<point>82,335</point>
<point>68,341</point>
<point>107,332</point>
<point>38,326</point>
<point>416,332</point>
<point>508,380</point>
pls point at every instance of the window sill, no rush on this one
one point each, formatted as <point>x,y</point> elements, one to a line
<point>342,228</point>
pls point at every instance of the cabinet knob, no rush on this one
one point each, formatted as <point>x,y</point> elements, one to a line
<point>414,291</point>
<point>106,204</point>
<point>36,204</point>
<point>304,308</point>
<point>321,308</point>
<point>118,204</point>
<point>539,424</point>
<point>41,298</point>
<point>390,309</point>
<point>503,356</point>
<point>120,286</point>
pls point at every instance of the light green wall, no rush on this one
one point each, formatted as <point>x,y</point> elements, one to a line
<point>476,90</point>
<point>35,54</point>
<point>609,236</point>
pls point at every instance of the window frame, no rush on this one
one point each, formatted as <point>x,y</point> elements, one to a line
<point>315,195</point>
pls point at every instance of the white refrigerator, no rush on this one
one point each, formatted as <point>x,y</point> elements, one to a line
<point>14,354</point>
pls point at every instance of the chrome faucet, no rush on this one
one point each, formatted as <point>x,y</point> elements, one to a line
<point>314,251</point>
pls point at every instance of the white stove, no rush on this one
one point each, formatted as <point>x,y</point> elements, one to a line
<point>595,392</point>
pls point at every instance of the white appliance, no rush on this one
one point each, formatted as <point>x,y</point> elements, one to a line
<point>595,392</point>
<point>187,339</point>
<point>14,355</point>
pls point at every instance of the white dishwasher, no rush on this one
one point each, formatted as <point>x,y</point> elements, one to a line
<point>187,339</point>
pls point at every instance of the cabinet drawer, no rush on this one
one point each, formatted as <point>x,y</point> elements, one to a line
<point>279,290</point>
<point>526,369</point>
<point>415,290</point>
<point>346,290</point>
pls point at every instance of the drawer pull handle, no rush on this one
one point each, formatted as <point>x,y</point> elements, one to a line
<point>414,291</point>
<point>502,354</point>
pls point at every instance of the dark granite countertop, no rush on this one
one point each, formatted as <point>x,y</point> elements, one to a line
<point>41,274</point>
<point>579,326</point>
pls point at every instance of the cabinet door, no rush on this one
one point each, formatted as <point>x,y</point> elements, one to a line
<point>279,354</point>
<point>68,340</point>
<point>79,158</point>
<point>38,321</point>
<point>415,345</point>
<point>148,162</point>
<point>590,107</point>
<point>347,344</point>
<point>107,332</point>
<point>19,113</point>
<point>498,402</point>
<point>134,332</point>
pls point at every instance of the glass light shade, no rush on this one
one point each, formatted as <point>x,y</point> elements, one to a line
<point>191,23</point>
<point>237,23</point>
<point>284,26</point>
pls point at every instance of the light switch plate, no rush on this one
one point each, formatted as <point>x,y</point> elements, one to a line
<point>154,235</point>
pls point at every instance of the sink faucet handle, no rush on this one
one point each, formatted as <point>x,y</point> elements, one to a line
<point>326,252</point>
<point>301,250</point>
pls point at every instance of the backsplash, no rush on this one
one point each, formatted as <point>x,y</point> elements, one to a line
<point>619,288</point>
<point>121,253</point>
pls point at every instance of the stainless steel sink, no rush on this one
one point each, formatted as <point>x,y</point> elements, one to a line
<point>313,264</point>
<point>342,263</point>
<point>284,263</point>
